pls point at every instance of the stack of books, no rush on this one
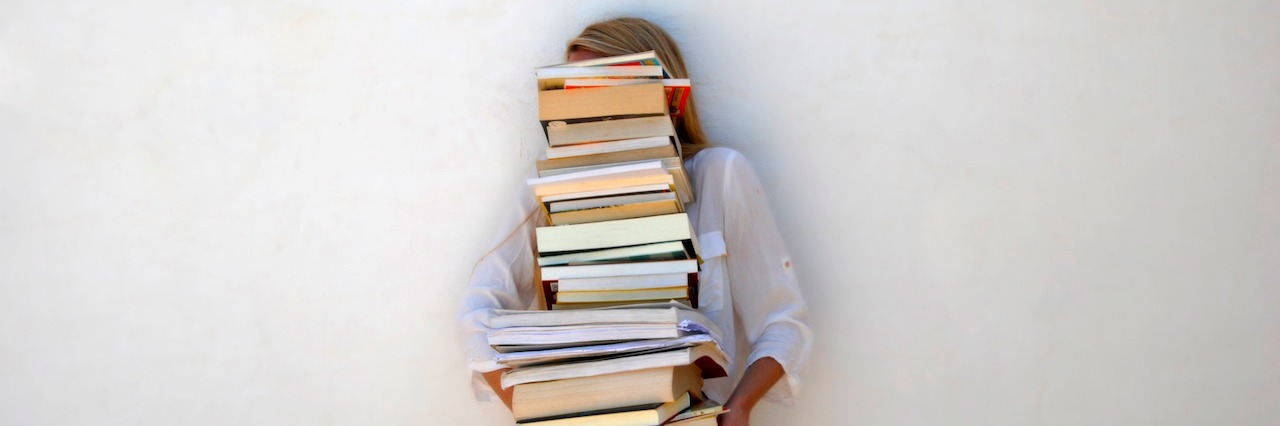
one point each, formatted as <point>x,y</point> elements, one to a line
<point>613,185</point>
<point>620,342</point>
<point>636,365</point>
<point>609,111</point>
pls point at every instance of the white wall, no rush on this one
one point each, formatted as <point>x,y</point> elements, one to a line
<point>1003,213</point>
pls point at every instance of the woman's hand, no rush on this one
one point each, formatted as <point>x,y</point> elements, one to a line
<point>734,418</point>
<point>756,381</point>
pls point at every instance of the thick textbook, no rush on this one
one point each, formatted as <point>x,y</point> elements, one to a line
<point>600,103</point>
<point>604,392</point>
<point>643,415</point>
<point>560,133</point>
<point>678,89</point>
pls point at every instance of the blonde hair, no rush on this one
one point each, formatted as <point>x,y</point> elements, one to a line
<point>623,36</point>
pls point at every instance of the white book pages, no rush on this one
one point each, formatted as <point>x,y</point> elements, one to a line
<point>634,282</point>
<point>648,55</point>
<point>565,334</point>
<point>605,172</point>
<point>512,318</point>
<point>591,203</point>
<point>599,82</point>
<point>554,273</point>
<point>529,358</point>
<point>583,72</point>
<point>607,147</point>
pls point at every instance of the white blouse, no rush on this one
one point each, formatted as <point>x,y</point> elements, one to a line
<point>747,271</point>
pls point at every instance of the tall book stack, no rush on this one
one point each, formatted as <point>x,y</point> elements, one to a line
<point>620,341</point>
<point>613,185</point>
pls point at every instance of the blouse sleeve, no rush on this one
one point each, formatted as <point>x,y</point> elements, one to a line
<point>502,279</point>
<point>766,295</point>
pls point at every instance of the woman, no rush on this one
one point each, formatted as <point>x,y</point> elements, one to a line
<point>746,275</point>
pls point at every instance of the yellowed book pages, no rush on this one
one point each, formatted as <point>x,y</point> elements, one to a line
<point>653,385</point>
<point>633,282</point>
<point>593,185</point>
<point>559,133</point>
<point>625,211</point>
<point>646,154</point>
<point>673,164</point>
<point>572,306</point>
<point>653,414</point>
<point>566,297</point>
<point>634,99</point>
<point>607,147</point>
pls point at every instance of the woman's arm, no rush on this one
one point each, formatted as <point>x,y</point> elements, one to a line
<point>502,279</point>
<point>766,294</point>
<point>758,379</point>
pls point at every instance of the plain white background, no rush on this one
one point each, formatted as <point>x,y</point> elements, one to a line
<point>1002,212</point>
